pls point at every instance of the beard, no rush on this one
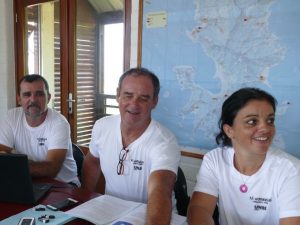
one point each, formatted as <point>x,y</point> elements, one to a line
<point>36,113</point>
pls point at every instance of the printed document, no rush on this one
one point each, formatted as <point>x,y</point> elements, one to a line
<point>109,210</point>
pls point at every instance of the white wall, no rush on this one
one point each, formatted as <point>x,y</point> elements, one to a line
<point>7,65</point>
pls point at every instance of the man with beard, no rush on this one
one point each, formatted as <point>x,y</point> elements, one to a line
<point>39,132</point>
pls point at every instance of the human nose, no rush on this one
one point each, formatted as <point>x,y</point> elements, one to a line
<point>134,101</point>
<point>32,97</point>
<point>265,126</point>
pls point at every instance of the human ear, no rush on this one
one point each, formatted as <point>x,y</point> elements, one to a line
<point>228,130</point>
<point>155,101</point>
<point>49,97</point>
<point>118,95</point>
<point>19,99</point>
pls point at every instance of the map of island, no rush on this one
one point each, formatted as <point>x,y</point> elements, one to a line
<point>222,46</point>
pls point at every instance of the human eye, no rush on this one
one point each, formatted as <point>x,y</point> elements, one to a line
<point>40,93</point>
<point>26,94</point>
<point>144,98</point>
<point>271,121</point>
<point>251,122</point>
<point>127,95</point>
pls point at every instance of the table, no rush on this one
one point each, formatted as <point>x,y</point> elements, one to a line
<point>58,192</point>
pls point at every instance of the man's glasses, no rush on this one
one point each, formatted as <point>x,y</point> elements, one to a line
<point>122,157</point>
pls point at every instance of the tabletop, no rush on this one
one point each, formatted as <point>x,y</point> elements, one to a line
<point>58,192</point>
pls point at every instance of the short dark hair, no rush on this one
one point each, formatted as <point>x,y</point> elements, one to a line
<point>232,106</point>
<point>139,71</point>
<point>29,78</point>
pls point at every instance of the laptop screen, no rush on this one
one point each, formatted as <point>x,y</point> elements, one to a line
<point>16,183</point>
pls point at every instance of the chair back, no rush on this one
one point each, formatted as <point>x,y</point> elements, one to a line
<point>78,157</point>
<point>181,195</point>
<point>182,198</point>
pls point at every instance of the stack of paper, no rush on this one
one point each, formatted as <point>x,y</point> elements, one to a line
<point>110,210</point>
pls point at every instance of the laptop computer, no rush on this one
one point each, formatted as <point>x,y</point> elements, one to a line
<point>16,182</point>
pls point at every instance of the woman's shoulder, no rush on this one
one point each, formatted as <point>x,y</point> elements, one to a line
<point>220,153</point>
<point>283,160</point>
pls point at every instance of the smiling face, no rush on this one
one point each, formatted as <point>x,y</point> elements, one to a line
<point>253,128</point>
<point>136,101</point>
<point>34,98</point>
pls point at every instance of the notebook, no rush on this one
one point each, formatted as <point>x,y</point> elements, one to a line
<point>16,183</point>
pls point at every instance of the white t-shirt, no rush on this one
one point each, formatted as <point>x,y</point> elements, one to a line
<point>155,149</point>
<point>35,142</point>
<point>273,191</point>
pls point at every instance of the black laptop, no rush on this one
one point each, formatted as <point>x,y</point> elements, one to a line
<point>15,181</point>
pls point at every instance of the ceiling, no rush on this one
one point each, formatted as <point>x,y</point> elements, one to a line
<point>107,5</point>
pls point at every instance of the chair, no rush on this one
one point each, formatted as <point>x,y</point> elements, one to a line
<point>182,198</point>
<point>181,195</point>
<point>216,216</point>
<point>79,157</point>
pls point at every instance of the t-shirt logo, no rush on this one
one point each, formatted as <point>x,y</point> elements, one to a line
<point>260,204</point>
<point>137,164</point>
<point>41,141</point>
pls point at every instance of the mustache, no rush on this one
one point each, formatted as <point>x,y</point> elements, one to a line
<point>33,105</point>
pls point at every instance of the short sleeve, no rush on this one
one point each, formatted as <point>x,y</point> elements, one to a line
<point>6,132</point>
<point>166,155</point>
<point>207,180</point>
<point>60,138</point>
<point>289,195</point>
<point>93,146</point>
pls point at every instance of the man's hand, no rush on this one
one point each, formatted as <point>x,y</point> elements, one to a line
<point>5,149</point>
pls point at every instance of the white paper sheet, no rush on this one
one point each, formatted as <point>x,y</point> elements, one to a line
<point>110,210</point>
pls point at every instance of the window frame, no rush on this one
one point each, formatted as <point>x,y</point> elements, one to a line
<point>67,47</point>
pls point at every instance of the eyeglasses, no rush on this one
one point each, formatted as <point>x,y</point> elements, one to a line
<point>122,157</point>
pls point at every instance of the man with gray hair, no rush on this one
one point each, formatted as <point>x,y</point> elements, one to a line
<point>137,156</point>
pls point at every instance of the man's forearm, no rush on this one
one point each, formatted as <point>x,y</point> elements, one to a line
<point>160,186</point>
<point>90,172</point>
<point>43,169</point>
<point>5,149</point>
<point>159,210</point>
<point>198,216</point>
<point>89,181</point>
